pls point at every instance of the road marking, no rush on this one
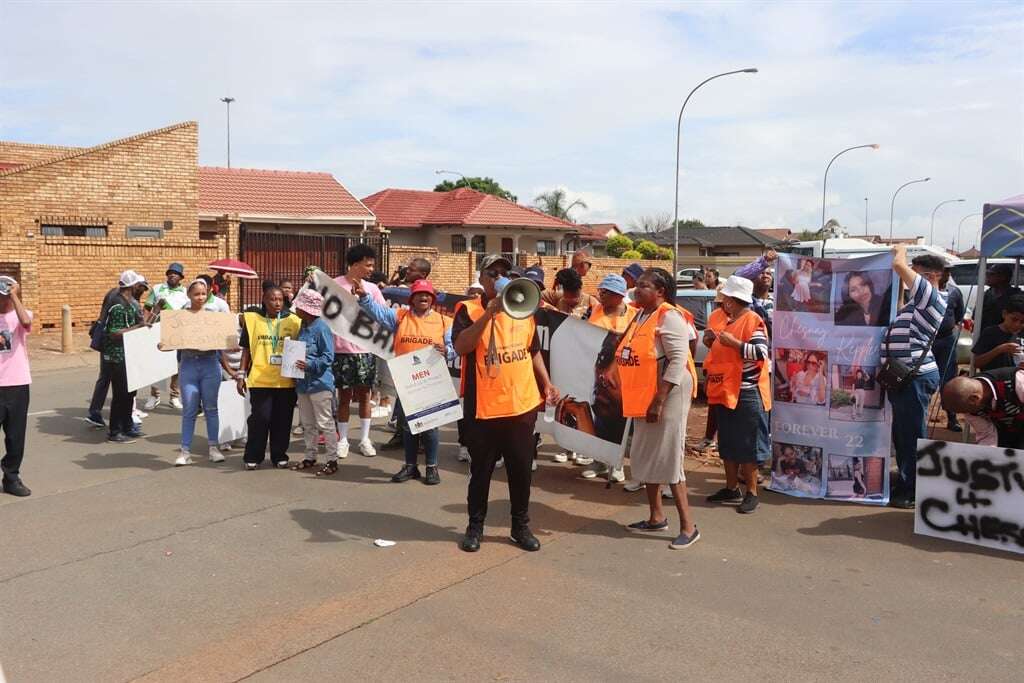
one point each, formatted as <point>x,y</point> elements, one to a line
<point>42,412</point>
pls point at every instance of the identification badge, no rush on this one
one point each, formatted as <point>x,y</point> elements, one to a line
<point>626,352</point>
<point>276,359</point>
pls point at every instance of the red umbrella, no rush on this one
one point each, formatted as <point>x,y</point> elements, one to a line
<point>235,267</point>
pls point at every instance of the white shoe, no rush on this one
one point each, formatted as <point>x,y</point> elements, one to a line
<point>343,448</point>
<point>590,473</point>
<point>533,466</point>
<point>225,448</point>
<point>367,449</point>
<point>666,493</point>
<point>501,463</point>
<point>252,466</point>
<point>138,415</point>
<point>151,402</point>
<point>561,457</point>
<point>176,403</point>
<point>583,460</point>
<point>216,455</point>
<point>632,485</point>
<point>463,455</point>
<point>297,431</point>
<point>184,459</point>
<point>618,475</point>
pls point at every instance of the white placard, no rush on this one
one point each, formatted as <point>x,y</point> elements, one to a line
<point>294,350</point>
<point>144,363</point>
<point>971,494</point>
<point>233,412</point>
<point>425,388</point>
<point>346,319</point>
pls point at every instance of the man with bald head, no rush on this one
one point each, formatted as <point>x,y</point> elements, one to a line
<point>992,403</point>
<point>581,262</point>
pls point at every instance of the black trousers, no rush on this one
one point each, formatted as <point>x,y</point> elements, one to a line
<point>99,393</point>
<point>13,419</point>
<point>510,438</point>
<point>122,402</point>
<point>272,411</point>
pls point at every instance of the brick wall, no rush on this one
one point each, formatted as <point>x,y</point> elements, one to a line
<point>601,266</point>
<point>22,153</point>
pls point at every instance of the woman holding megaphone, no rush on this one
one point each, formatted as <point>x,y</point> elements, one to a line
<point>504,381</point>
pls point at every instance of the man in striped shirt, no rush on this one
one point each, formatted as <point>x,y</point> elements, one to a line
<point>909,340</point>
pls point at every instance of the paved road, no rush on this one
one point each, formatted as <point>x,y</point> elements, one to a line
<point>123,567</point>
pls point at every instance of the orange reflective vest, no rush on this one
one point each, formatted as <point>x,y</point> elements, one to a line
<point>690,364</point>
<point>637,360</point>
<point>512,390</point>
<point>718,320</point>
<point>612,323</point>
<point>723,366</point>
<point>416,332</point>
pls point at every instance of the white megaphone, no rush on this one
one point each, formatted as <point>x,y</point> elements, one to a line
<point>520,298</point>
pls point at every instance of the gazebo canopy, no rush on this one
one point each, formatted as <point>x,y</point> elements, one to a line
<point>1002,228</point>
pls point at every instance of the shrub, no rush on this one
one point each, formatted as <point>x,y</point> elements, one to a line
<point>841,397</point>
<point>617,244</point>
<point>664,253</point>
<point>631,254</point>
<point>647,248</point>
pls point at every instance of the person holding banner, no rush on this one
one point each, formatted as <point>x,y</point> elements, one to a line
<point>416,327</point>
<point>656,386</point>
<point>15,382</point>
<point>199,375</point>
<point>169,295</point>
<point>271,396</point>
<point>738,388</point>
<point>504,381</point>
<point>123,316</point>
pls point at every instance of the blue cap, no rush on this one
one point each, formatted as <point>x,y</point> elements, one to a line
<point>176,268</point>
<point>615,284</point>
<point>535,273</point>
<point>634,270</point>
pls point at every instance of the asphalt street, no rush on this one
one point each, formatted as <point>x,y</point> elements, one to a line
<point>123,567</point>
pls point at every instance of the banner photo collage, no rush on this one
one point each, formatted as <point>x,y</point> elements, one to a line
<point>830,421</point>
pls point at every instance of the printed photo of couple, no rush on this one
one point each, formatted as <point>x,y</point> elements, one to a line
<point>804,285</point>
<point>863,298</point>
<point>852,477</point>
<point>801,377</point>
<point>796,469</point>
<point>856,394</point>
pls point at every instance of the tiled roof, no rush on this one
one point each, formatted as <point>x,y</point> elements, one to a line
<point>716,236</point>
<point>777,233</point>
<point>417,208</point>
<point>283,194</point>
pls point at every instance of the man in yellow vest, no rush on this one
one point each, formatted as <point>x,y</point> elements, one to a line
<point>504,382</point>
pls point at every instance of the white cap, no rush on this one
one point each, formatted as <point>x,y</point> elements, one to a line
<point>130,278</point>
<point>739,288</point>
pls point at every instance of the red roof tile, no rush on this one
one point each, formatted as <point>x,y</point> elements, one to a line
<point>295,194</point>
<point>417,208</point>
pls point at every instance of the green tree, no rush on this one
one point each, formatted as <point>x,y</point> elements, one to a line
<point>664,253</point>
<point>647,249</point>
<point>631,254</point>
<point>617,244</point>
<point>486,185</point>
<point>556,203</point>
<point>689,223</point>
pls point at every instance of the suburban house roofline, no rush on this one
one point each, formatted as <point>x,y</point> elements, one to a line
<point>207,214</point>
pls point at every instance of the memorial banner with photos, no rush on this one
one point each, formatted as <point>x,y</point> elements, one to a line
<point>830,420</point>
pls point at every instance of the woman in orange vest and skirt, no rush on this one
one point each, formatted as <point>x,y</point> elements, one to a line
<point>415,328</point>
<point>739,391</point>
<point>656,391</point>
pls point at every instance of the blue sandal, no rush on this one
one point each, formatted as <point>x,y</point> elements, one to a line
<point>647,526</point>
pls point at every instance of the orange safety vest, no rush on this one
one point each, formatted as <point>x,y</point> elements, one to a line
<point>723,366</point>
<point>612,323</point>
<point>638,368</point>
<point>416,332</point>
<point>690,364</point>
<point>514,391</point>
<point>718,320</point>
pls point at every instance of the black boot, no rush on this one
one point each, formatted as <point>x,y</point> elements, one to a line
<point>15,487</point>
<point>471,541</point>
<point>432,477</point>
<point>524,538</point>
<point>406,473</point>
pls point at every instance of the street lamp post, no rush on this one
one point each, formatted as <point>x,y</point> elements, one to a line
<point>679,129</point>
<point>931,235</point>
<point>958,227</point>
<point>824,184</point>
<point>892,205</point>
<point>228,101</point>
<point>865,217</point>
<point>464,178</point>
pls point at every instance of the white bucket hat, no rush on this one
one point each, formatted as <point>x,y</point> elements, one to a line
<point>739,288</point>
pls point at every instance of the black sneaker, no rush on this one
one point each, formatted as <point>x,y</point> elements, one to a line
<point>120,438</point>
<point>406,473</point>
<point>954,427</point>
<point>135,434</point>
<point>471,541</point>
<point>15,487</point>
<point>724,495</point>
<point>96,420</point>
<point>902,502</point>
<point>432,478</point>
<point>748,505</point>
<point>523,538</point>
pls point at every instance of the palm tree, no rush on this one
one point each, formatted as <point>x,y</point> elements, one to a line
<point>556,203</point>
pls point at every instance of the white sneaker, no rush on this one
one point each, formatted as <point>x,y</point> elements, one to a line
<point>501,463</point>
<point>618,475</point>
<point>367,449</point>
<point>463,455</point>
<point>632,485</point>
<point>138,415</point>
<point>225,448</point>
<point>176,403</point>
<point>590,473</point>
<point>343,448</point>
<point>582,459</point>
<point>184,459</point>
<point>151,402</point>
<point>297,431</point>
<point>216,455</point>
<point>533,466</point>
<point>561,457</point>
<point>666,493</point>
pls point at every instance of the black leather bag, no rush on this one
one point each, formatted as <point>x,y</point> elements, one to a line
<point>894,373</point>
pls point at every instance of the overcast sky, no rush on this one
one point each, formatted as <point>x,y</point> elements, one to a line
<point>578,95</point>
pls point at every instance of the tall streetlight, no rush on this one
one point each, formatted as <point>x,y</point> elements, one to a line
<point>679,129</point>
<point>972,215</point>
<point>228,101</point>
<point>892,205</point>
<point>931,235</point>
<point>824,184</point>
<point>464,178</point>
<point>865,217</point>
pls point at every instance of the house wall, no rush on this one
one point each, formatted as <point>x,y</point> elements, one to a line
<point>22,153</point>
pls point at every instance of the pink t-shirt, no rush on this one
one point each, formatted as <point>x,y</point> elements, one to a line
<point>343,345</point>
<point>13,351</point>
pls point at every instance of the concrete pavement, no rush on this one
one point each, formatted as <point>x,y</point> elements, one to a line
<point>122,567</point>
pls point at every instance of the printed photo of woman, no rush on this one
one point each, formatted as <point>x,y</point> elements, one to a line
<point>863,298</point>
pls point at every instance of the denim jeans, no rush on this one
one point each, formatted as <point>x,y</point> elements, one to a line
<point>199,376</point>
<point>944,349</point>
<point>431,439</point>
<point>910,423</point>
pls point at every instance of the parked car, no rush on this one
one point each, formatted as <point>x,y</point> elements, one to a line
<point>684,277</point>
<point>699,302</point>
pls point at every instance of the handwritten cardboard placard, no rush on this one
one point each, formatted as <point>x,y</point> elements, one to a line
<point>202,330</point>
<point>342,314</point>
<point>970,494</point>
